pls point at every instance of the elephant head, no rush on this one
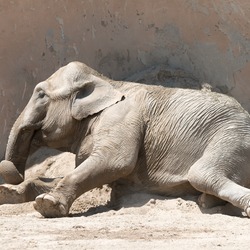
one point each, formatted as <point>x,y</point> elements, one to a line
<point>56,106</point>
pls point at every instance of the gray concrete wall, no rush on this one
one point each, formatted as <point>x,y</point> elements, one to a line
<point>209,39</point>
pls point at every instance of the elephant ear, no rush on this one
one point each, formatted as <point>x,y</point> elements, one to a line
<point>94,97</point>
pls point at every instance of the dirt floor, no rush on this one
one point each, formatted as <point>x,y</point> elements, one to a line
<point>140,221</point>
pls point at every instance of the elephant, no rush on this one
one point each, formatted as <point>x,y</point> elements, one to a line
<point>169,141</point>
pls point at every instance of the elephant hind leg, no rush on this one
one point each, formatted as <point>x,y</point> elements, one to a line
<point>26,191</point>
<point>209,201</point>
<point>207,177</point>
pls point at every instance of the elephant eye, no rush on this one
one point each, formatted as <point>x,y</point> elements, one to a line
<point>41,94</point>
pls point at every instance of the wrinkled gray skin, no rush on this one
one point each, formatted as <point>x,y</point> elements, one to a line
<point>168,141</point>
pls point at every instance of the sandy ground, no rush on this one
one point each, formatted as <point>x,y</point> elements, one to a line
<point>142,221</point>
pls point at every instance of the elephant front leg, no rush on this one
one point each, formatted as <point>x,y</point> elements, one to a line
<point>90,174</point>
<point>26,191</point>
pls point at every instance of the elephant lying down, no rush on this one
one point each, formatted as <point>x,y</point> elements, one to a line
<point>167,141</point>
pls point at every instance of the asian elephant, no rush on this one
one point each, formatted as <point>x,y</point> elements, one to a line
<point>163,140</point>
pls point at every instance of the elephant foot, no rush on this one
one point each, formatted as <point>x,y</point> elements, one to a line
<point>247,210</point>
<point>247,207</point>
<point>209,201</point>
<point>50,206</point>
<point>11,194</point>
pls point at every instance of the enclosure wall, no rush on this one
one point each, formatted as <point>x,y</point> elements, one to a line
<point>210,39</point>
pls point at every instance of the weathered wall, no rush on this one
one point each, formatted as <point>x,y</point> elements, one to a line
<point>209,39</point>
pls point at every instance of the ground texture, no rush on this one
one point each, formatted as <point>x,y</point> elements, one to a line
<point>142,221</point>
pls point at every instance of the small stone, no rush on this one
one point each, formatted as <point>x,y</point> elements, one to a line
<point>152,201</point>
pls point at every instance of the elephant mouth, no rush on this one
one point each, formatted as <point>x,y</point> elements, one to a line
<point>50,139</point>
<point>37,139</point>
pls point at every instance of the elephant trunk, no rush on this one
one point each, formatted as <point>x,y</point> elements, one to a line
<point>18,145</point>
